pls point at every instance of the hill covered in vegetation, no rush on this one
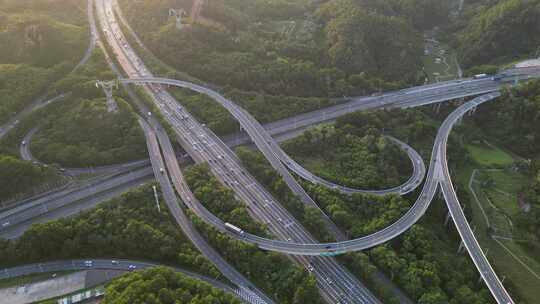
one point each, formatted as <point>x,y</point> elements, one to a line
<point>18,176</point>
<point>88,135</point>
<point>494,32</point>
<point>40,41</point>
<point>294,48</point>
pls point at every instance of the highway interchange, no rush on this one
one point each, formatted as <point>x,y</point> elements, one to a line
<point>202,145</point>
<point>196,141</point>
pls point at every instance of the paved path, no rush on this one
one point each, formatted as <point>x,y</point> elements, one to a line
<point>45,289</point>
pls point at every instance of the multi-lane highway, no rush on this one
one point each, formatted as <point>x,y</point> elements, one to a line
<point>15,221</point>
<point>185,223</point>
<point>84,196</point>
<point>404,98</point>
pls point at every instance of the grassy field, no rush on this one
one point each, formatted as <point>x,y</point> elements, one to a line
<point>503,189</point>
<point>487,157</point>
<point>507,256</point>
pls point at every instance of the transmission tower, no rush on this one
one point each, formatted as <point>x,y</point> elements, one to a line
<point>108,87</point>
<point>178,14</point>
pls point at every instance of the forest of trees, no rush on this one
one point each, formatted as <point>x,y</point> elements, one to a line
<point>363,47</point>
<point>19,84</point>
<point>161,285</point>
<point>498,31</point>
<point>18,176</point>
<point>514,119</point>
<point>350,158</point>
<point>361,39</point>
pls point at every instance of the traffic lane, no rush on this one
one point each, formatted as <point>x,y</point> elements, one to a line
<point>15,230</point>
<point>123,183</point>
<point>471,244</point>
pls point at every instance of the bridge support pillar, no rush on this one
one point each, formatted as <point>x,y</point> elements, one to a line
<point>480,279</point>
<point>108,87</point>
<point>461,247</point>
<point>447,219</point>
<point>156,198</point>
<point>178,14</point>
<point>437,107</point>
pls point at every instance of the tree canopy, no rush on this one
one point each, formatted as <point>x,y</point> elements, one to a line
<point>161,285</point>
<point>499,31</point>
<point>288,48</point>
<point>88,135</point>
<point>17,176</point>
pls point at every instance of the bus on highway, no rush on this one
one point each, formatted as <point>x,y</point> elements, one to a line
<point>480,76</point>
<point>233,228</point>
